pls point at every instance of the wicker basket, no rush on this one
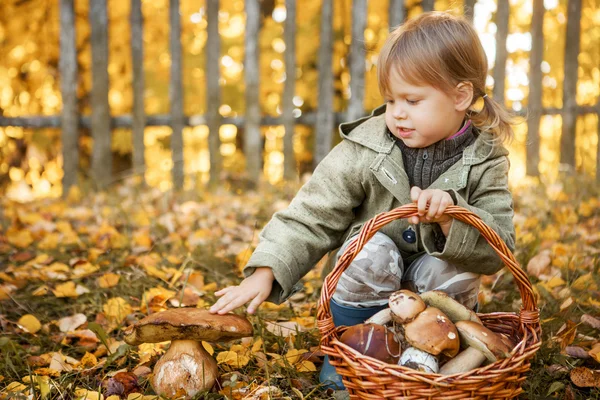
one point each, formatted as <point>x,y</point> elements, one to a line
<point>368,378</point>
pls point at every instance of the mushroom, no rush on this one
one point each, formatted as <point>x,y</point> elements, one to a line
<point>404,306</point>
<point>431,332</point>
<point>373,340</point>
<point>481,344</point>
<point>452,308</point>
<point>186,368</point>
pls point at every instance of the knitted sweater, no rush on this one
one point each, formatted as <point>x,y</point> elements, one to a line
<point>423,166</point>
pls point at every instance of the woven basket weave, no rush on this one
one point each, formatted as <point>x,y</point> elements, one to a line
<point>368,378</point>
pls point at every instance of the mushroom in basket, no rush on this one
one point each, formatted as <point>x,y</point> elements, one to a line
<point>186,368</point>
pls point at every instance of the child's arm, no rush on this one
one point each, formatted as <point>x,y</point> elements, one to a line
<point>255,288</point>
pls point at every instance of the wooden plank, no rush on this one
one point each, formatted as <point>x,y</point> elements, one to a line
<point>535,89</point>
<point>469,9</point>
<point>567,139</point>
<point>357,60</point>
<point>101,134</point>
<point>137,59</point>
<point>325,116</point>
<point>397,13</point>
<point>68,79</point>
<point>289,35</point>
<point>176,94</point>
<point>499,74</point>
<point>253,148</point>
<point>126,121</point>
<point>213,90</point>
<point>428,5</point>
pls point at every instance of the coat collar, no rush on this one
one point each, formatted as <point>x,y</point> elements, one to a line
<point>371,132</point>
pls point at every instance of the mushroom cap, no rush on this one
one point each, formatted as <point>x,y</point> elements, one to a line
<point>405,305</point>
<point>433,332</point>
<point>478,336</point>
<point>452,308</point>
<point>187,324</point>
<point>419,360</point>
<point>373,340</point>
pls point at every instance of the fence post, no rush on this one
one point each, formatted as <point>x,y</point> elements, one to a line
<point>502,15</point>
<point>213,90</point>
<point>253,149</point>
<point>469,9</point>
<point>397,13</point>
<point>289,33</point>
<point>137,59</point>
<point>101,132</point>
<point>567,139</point>
<point>68,79</point>
<point>535,89</point>
<point>357,60</point>
<point>325,122</point>
<point>176,94</point>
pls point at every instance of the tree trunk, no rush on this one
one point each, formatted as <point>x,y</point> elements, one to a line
<point>502,15</point>
<point>535,89</point>
<point>137,59</point>
<point>253,148</point>
<point>213,90</point>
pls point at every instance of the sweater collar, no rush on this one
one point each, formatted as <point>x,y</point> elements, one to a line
<point>445,148</point>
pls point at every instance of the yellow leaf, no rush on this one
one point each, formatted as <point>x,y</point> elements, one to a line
<point>232,358</point>
<point>108,280</point>
<point>593,302</point>
<point>20,238</point>
<point>257,346</point>
<point>566,304</point>
<point>141,218</point>
<point>306,366</point>
<point>242,258</point>
<point>585,282</point>
<point>47,372</point>
<point>50,241</point>
<point>41,291</point>
<point>207,346</point>
<point>67,289</point>
<point>148,350</point>
<point>211,287</point>
<point>555,282</point>
<point>116,309</point>
<point>85,394</point>
<point>117,397</point>
<point>142,239</point>
<point>15,387</point>
<point>84,269</point>
<point>88,360</point>
<point>74,195</point>
<point>595,352</point>
<point>30,323</point>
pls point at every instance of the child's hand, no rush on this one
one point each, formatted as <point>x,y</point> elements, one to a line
<point>438,201</point>
<point>256,287</point>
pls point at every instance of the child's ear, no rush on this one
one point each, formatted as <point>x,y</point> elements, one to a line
<point>463,96</point>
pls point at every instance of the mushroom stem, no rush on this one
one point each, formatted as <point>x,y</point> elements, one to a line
<point>381,318</point>
<point>465,361</point>
<point>184,370</point>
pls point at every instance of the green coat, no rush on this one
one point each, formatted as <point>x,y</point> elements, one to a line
<point>363,176</point>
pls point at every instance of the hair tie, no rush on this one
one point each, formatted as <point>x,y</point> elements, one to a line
<point>484,96</point>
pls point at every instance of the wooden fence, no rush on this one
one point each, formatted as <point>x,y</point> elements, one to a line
<point>324,119</point>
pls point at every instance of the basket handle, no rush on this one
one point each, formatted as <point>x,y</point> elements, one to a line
<point>529,314</point>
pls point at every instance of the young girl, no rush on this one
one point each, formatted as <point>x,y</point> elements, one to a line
<point>425,145</point>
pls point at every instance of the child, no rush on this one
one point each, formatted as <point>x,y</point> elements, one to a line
<point>426,146</point>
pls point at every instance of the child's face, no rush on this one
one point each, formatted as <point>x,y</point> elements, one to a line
<point>421,115</point>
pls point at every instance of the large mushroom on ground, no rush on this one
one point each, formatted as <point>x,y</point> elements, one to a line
<point>186,368</point>
<point>480,343</point>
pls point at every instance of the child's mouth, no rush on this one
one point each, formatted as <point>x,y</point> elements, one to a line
<point>405,132</point>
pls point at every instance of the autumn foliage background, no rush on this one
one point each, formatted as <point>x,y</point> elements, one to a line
<point>75,271</point>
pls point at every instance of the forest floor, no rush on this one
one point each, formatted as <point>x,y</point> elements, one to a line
<point>74,273</point>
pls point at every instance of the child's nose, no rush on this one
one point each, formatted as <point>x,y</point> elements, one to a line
<point>398,112</point>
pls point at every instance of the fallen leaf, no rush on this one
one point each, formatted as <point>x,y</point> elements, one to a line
<point>595,352</point>
<point>590,321</point>
<point>69,289</point>
<point>285,328</point>
<point>71,323</point>
<point>108,280</point>
<point>576,352</point>
<point>539,264</point>
<point>116,309</point>
<point>585,377</point>
<point>30,323</point>
<point>233,359</point>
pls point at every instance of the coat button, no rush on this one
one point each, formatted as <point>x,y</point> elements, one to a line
<point>409,236</point>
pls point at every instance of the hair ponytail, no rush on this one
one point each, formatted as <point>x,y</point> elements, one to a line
<point>495,119</point>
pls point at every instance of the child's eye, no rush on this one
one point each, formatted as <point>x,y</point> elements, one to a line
<point>412,102</point>
<point>389,101</point>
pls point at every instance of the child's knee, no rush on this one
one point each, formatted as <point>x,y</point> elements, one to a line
<point>373,274</point>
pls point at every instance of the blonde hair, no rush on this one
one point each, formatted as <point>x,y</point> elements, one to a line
<point>442,50</point>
